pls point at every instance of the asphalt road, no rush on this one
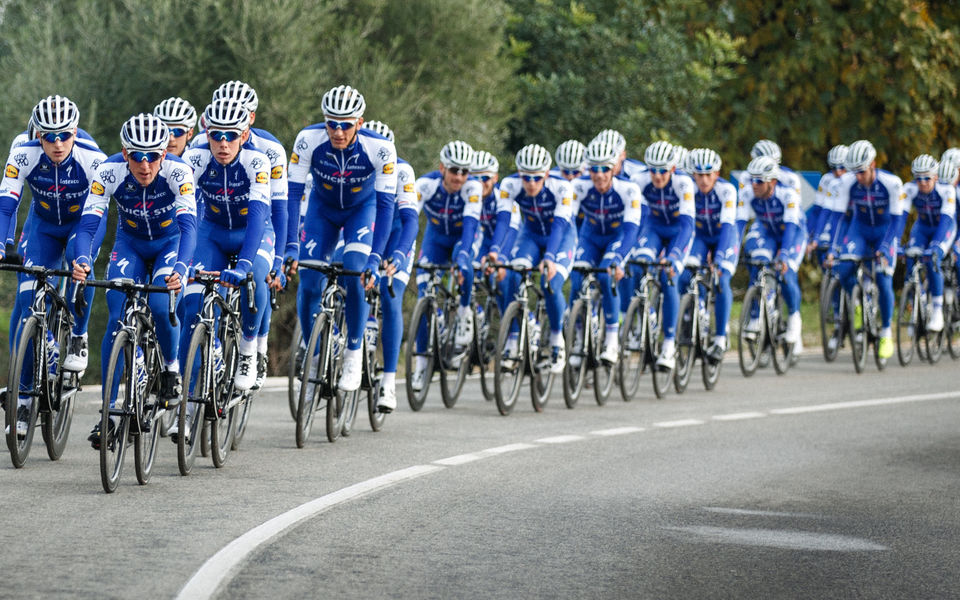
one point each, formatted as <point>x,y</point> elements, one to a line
<point>817,484</point>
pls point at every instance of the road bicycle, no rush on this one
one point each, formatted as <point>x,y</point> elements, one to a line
<point>695,332</point>
<point>863,312</point>
<point>641,335</point>
<point>763,321</point>
<point>913,315</point>
<point>585,335</point>
<point>486,324</point>
<point>834,323</point>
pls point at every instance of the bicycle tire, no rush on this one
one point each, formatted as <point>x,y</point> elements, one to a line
<point>55,422</point>
<point>859,336</point>
<point>830,327</point>
<point>337,400</point>
<point>709,371</point>
<point>687,339</point>
<point>145,429</point>
<point>907,324</point>
<point>373,368</point>
<point>662,378</point>
<point>20,448</point>
<point>632,361</point>
<point>574,377</point>
<point>934,343</point>
<point>424,315</point>
<point>224,424</point>
<point>486,340</point>
<point>453,366</point>
<point>293,370</point>
<point>951,326</point>
<point>351,406</point>
<point>376,417</point>
<point>750,350</point>
<point>602,372</point>
<point>243,418</point>
<point>541,375</point>
<point>781,351</point>
<point>113,451</point>
<point>311,379</point>
<point>509,371</point>
<point>197,391</point>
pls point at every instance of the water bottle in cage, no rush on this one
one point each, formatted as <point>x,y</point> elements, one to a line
<point>372,332</point>
<point>140,372</point>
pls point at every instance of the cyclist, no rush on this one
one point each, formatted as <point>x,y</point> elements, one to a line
<point>355,184</point>
<point>716,237</point>
<point>152,244</point>
<point>180,117</point>
<point>546,237</point>
<point>233,184</point>
<point>452,201</point>
<point>398,264</point>
<point>267,143</point>
<point>875,197</point>
<point>626,167</point>
<point>777,234</point>
<point>569,159</point>
<point>821,226</point>
<point>667,228</point>
<point>948,172</point>
<point>787,176</point>
<point>611,210</point>
<point>58,169</point>
<point>933,231</point>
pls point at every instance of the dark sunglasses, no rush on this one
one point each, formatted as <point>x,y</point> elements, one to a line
<point>177,132</point>
<point>58,136</point>
<point>533,178</point>
<point>571,171</point>
<point>758,181</point>
<point>222,136</point>
<point>600,168</point>
<point>484,178</point>
<point>658,170</point>
<point>924,178</point>
<point>861,170</point>
<point>343,125</point>
<point>459,170</point>
<point>150,157</point>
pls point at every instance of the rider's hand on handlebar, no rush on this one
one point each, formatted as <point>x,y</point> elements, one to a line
<point>80,271</point>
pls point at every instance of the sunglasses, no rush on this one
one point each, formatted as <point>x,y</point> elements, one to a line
<point>600,168</point>
<point>459,170</point>
<point>150,157</point>
<point>704,169</point>
<point>861,170</point>
<point>533,178</point>
<point>758,181</point>
<point>218,135</point>
<point>341,125</point>
<point>58,136</point>
<point>658,170</point>
<point>575,171</point>
<point>924,178</point>
<point>484,178</point>
<point>177,132</point>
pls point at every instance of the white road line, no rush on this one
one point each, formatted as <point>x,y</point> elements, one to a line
<point>462,459</point>
<point>508,448</point>
<point>679,423</point>
<point>617,431</point>
<point>560,439</point>
<point>212,574</point>
<point>796,410</point>
<point>738,416</point>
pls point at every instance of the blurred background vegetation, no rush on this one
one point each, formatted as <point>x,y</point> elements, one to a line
<point>502,73</point>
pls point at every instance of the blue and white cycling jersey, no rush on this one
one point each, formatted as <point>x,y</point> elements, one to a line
<point>877,208</point>
<point>936,217</point>
<point>631,168</point>
<point>232,194</point>
<point>449,212</point>
<point>778,224</point>
<point>59,190</point>
<point>671,211</point>
<point>790,178</point>
<point>819,218</point>
<point>716,228</point>
<point>616,211</point>
<point>406,221</point>
<point>549,213</point>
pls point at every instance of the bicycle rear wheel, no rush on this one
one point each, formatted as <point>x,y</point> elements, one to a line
<point>28,356</point>
<point>297,352</point>
<point>223,424</point>
<point>750,344</point>
<point>146,430</point>
<point>832,319</point>
<point>859,335</point>
<point>541,377</point>
<point>311,377</point>
<point>686,342</point>
<point>510,359</point>
<point>199,391</point>
<point>424,318</point>
<point>121,370</point>
<point>907,318</point>
<point>575,338</point>
<point>632,362</point>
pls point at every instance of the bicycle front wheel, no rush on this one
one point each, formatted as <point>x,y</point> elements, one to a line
<point>120,385</point>
<point>751,334</point>
<point>297,352</point>
<point>951,323</point>
<point>423,322</point>
<point>602,372</point>
<point>709,370</point>
<point>487,327</point>
<point>575,337</point>
<point>541,376</point>
<point>145,425</point>
<point>199,391</point>
<point>780,349</point>
<point>832,318</point>
<point>632,361</point>
<point>62,390</point>
<point>907,316</point>
<point>223,424</point>
<point>510,359</point>
<point>338,402</point>
<point>455,365</point>
<point>859,334</point>
<point>686,342</point>
<point>311,378</point>
<point>26,362</point>
<point>655,337</point>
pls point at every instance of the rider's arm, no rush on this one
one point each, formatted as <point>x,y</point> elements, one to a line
<point>297,170</point>
<point>408,211</point>
<point>96,205</point>
<point>946,227</point>
<point>684,188</point>
<point>186,211</point>
<point>729,238</point>
<point>792,219</point>
<point>563,217</point>
<point>473,192</point>
<point>505,208</point>
<point>384,157</point>
<point>895,191</point>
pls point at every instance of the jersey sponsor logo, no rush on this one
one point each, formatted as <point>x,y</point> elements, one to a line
<point>388,168</point>
<point>688,197</point>
<point>635,204</point>
<point>178,175</point>
<point>21,159</point>
<point>362,233</point>
<point>384,154</point>
<point>504,194</point>
<point>256,164</point>
<point>244,211</point>
<point>327,186</point>
<point>565,202</point>
<point>44,205</point>
<point>132,224</point>
<point>728,204</point>
<point>186,189</point>
<point>97,189</point>
<point>355,190</point>
<point>276,172</point>
<point>11,171</point>
<point>408,188</point>
<point>74,208</point>
<point>262,177</point>
<point>294,159</point>
<point>213,208</point>
<point>166,223</point>
<point>791,205</point>
<point>473,199</point>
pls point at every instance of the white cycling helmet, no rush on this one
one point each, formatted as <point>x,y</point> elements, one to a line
<point>859,155</point>
<point>456,154</point>
<point>837,156</point>
<point>660,155</point>
<point>948,170</point>
<point>601,152</point>
<point>343,102</point>
<point>951,154</point>
<point>923,164</point>
<point>533,158</point>
<point>764,167</point>
<point>681,155</point>
<point>704,160</point>
<point>238,90</point>
<point>484,162</point>
<point>144,133</point>
<point>31,128</point>
<point>227,114</point>
<point>569,155</point>
<point>176,111</point>
<point>379,127</point>
<point>55,113</point>
<point>614,138</point>
<point>766,148</point>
